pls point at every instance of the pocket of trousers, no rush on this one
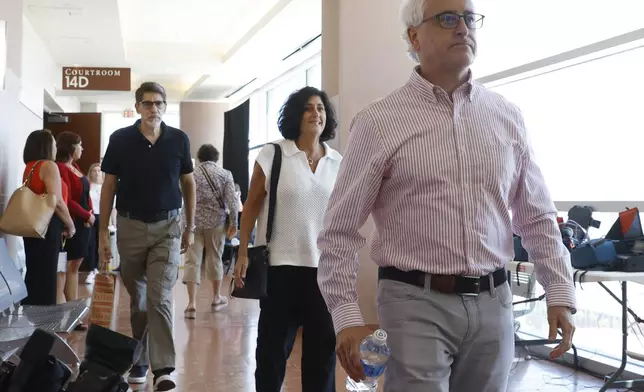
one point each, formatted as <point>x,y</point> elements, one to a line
<point>504,294</point>
<point>390,291</point>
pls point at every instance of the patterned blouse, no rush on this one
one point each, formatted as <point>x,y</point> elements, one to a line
<point>214,206</point>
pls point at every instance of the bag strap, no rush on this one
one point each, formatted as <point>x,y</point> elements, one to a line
<point>275,178</point>
<point>31,173</point>
<point>212,186</point>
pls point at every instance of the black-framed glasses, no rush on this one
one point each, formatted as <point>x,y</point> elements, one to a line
<point>449,20</point>
<point>149,104</point>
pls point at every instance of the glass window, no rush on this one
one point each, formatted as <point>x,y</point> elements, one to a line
<point>172,120</point>
<point>598,314</point>
<point>520,32</point>
<point>585,124</point>
<point>110,122</point>
<point>314,76</point>
<point>275,99</point>
<point>256,121</point>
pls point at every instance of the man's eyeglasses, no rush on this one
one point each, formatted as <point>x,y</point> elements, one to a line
<point>449,20</point>
<point>149,104</point>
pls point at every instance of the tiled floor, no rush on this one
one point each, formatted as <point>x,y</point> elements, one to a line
<point>216,352</point>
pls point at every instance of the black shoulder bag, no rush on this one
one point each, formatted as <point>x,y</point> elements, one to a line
<point>255,282</point>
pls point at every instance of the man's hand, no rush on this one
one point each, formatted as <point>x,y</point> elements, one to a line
<point>186,240</point>
<point>104,249</point>
<point>348,350</point>
<point>560,317</point>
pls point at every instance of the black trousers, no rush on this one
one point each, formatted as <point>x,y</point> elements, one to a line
<point>294,300</point>
<point>90,263</point>
<point>41,259</point>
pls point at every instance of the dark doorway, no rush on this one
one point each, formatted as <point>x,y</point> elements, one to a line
<point>236,124</point>
<point>87,126</point>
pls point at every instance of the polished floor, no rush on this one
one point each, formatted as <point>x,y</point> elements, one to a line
<point>216,352</point>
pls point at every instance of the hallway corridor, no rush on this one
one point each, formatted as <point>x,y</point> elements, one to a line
<point>216,351</point>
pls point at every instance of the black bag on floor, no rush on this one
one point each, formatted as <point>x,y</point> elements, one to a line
<point>94,377</point>
<point>38,371</point>
<point>108,356</point>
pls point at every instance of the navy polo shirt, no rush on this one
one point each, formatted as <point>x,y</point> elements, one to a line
<point>148,174</point>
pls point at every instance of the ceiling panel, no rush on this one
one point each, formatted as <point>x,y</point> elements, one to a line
<point>219,23</point>
<point>79,31</point>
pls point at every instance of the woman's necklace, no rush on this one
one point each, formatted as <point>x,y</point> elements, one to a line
<point>308,158</point>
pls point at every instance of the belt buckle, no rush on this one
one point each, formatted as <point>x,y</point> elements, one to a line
<point>477,285</point>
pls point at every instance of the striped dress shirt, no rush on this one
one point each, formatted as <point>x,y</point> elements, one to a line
<point>439,177</point>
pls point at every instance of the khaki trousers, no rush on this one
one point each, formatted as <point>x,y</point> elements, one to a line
<point>150,258</point>
<point>208,242</point>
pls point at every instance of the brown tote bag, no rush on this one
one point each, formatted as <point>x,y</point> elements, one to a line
<point>28,214</point>
<point>102,307</point>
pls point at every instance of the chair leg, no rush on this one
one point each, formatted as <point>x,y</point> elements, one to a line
<point>64,352</point>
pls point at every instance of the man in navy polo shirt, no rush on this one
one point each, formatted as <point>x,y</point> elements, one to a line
<point>148,165</point>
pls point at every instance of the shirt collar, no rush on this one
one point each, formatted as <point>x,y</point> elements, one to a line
<point>163,127</point>
<point>430,91</point>
<point>289,148</point>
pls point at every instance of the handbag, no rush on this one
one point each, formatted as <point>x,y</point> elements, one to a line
<point>255,282</point>
<point>222,205</point>
<point>102,307</point>
<point>28,214</point>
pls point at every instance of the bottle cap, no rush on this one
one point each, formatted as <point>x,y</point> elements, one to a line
<point>380,336</point>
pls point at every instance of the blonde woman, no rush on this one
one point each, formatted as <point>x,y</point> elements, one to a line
<point>95,176</point>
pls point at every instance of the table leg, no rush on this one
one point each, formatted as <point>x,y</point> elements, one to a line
<point>618,373</point>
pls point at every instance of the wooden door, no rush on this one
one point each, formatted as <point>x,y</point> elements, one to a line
<point>88,127</point>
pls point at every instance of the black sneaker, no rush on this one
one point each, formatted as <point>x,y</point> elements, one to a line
<point>138,375</point>
<point>164,383</point>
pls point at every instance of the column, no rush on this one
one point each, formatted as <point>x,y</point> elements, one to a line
<point>203,122</point>
<point>363,59</point>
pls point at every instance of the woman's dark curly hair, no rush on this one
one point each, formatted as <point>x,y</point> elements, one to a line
<point>290,118</point>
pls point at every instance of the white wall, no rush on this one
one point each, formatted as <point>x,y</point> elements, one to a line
<point>30,72</point>
<point>16,121</point>
<point>40,72</point>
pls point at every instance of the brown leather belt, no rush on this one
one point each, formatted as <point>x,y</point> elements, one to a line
<point>446,284</point>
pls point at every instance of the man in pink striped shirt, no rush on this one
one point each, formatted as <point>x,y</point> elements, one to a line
<point>439,163</point>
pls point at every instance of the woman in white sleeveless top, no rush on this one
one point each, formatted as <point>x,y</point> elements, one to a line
<point>308,172</point>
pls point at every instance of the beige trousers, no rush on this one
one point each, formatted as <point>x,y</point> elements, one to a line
<point>149,269</point>
<point>211,243</point>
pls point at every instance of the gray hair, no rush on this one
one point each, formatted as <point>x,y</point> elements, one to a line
<point>411,14</point>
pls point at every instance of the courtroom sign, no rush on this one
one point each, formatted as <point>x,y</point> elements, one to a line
<point>96,79</point>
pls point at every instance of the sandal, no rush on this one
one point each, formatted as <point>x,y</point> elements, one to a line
<point>190,313</point>
<point>218,305</point>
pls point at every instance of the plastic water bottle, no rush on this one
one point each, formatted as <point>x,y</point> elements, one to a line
<point>374,354</point>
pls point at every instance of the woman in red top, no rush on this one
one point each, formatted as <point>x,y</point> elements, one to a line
<point>41,254</point>
<point>80,206</point>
